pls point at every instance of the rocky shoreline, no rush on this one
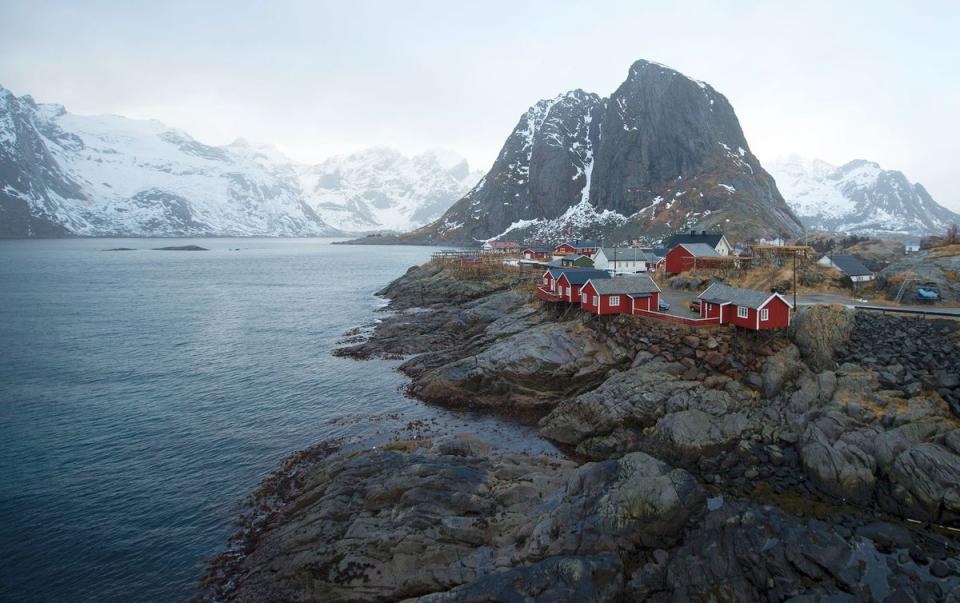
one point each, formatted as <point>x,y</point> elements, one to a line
<point>702,464</point>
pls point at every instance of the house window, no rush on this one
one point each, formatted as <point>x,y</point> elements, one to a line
<point>596,300</point>
<point>764,315</point>
<point>568,291</point>
<point>709,307</point>
<point>615,300</point>
<point>742,312</point>
<point>583,298</point>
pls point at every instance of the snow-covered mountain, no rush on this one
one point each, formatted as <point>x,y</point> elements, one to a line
<point>380,188</point>
<point>64,174</point>
<point>663,153</point>
<point>858,197</point>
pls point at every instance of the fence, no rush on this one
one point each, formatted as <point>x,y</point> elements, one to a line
<point>690,322</point>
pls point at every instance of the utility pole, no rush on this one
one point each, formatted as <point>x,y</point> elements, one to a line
<point>794,280</point>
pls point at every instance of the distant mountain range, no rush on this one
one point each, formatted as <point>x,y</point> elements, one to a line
<point>664,153</point>
<point>858,197</point>
<point>63,174</point>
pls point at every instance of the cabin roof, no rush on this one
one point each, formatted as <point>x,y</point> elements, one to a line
<point>700,250</point>
<point>628,285</point>
<point>711,239</point>
<point>850,265</point>
<point>719,293</point>
<point>579,276</point>
<point>621,254</point>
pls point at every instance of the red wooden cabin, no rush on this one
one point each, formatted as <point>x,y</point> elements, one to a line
<point>684,257</point>
<point>587,248</point>
<point>747,308</point>
<point>563,284</point>
<point>620,295</point>
<point>536,253</point>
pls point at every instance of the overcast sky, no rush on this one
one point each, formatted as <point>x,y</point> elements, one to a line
<point>834,80</point>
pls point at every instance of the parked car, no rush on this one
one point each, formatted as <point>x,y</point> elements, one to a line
<point>664,306</point>
<point>695,306</point>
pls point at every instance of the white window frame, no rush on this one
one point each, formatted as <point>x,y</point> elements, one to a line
<point>583,298</point>
<point>596,301</point>
<point>764,315</point>
<point>743,312</point>
<point>568,292</point>
<point>615,300</point>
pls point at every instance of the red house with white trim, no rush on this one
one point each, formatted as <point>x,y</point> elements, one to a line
<point>683,257</point>
<point>563,284</point>
<point>536,253</point>
<point>587,248</point>
<point>620,295</point>
<point>747,308</point>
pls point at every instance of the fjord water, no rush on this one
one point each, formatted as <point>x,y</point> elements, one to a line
<point>144,394</point>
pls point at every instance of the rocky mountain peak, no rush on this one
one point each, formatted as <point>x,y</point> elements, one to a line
<point>663,153</point>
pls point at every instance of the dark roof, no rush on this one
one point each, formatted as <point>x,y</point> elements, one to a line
<point>710,239</point>
<point>850,265</point>
<point>718,293</point>
<point>661,251</point>
<point>629,285</point>
<point>578,276</point>
<point>700,250</point>
<point>538,249</point>
<point>580,244</point>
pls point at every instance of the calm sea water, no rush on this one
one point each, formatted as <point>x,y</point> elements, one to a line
<point>144,394</point>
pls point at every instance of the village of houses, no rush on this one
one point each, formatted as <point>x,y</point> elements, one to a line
<point>624,280</point>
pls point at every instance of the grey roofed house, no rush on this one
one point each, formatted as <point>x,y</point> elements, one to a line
<point>709,239</point>
<point>850,265</point>
<point>627,285</point>
<point>700,250</point>
<point>718,293</point>
<point>578,276</point>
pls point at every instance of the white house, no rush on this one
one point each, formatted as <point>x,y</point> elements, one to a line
<point>849,265</point>
<point>621,260</point>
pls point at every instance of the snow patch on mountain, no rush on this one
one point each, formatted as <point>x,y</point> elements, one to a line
<point>578,221</point>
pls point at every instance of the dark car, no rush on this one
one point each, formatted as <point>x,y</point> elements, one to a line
<point>695,306</point>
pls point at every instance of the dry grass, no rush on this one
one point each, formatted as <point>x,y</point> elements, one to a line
<point>945,251</point>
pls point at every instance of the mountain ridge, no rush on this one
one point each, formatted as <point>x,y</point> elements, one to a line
<point>859,197</point>
<point>63,174</point>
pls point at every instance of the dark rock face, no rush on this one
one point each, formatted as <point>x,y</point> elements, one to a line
<point>385,525</point>
<point>662,153</point>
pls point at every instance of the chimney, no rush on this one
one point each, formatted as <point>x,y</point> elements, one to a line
<point>693,232</point>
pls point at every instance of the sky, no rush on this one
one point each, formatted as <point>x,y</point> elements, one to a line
<point>832,80</point>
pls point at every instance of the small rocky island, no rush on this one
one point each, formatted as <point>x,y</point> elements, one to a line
<point>181,248</point>
<point>819,463</point>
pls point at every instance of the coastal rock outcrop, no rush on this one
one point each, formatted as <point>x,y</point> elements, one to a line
<point>408,522</point>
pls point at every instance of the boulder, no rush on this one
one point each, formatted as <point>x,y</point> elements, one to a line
<point>692,433</point>
<point>779,369</point>
<point>595,579</point>
<point>837,466</point>
<point>617,505</point>
<point>925,484</point>
<point>818,331</point>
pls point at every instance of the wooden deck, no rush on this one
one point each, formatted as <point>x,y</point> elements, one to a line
<point>548,295</point>
<point>690,322</point>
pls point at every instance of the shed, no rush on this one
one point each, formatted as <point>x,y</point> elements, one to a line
<point>747,308</point>
<point>683,257</point>
<point>620,295</point>
<point>849,265</point>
